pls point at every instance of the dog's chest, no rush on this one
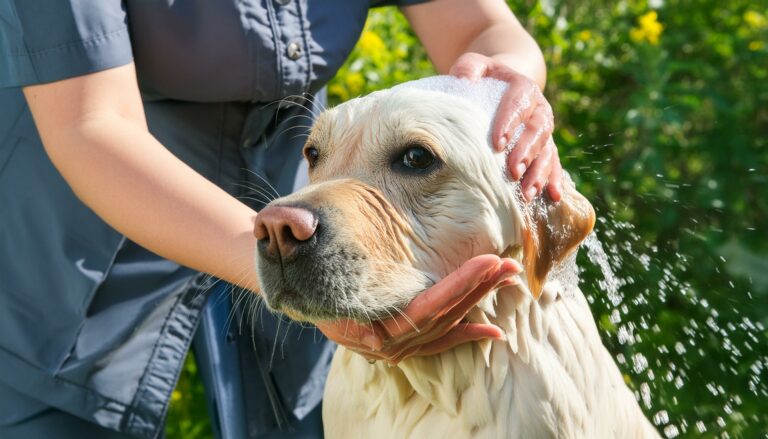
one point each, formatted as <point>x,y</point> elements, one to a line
<point>551,378</point>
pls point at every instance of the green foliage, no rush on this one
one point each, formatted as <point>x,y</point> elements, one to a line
<point>387,54</point>
<point>188,416</point>
<point>662,120</point>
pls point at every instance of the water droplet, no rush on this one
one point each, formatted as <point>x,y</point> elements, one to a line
<point>661,418</point>
<point>671,431</point>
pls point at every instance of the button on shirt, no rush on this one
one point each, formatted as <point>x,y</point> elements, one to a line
<point>55,253</point>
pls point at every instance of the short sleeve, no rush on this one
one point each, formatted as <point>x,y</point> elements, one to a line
<point>49,40</point>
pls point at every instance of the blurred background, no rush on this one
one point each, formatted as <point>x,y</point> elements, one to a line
<point>661,112</point>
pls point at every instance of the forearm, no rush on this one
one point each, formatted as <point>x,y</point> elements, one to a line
<point>451,28</point>
<point>119,170</point>
<point>512,45</point>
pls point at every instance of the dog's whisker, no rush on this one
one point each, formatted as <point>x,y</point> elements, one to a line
<point>407,319</point>
<point>258,191</point>
<point>304,130</point>
<point>258,200</point>
<point>285,337</point>
<point>274,345</point>
<point>392,317</point>
<point>299,135</point>
<point>269,185</point>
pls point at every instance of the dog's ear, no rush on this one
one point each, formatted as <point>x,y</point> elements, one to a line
<point>552,231</point>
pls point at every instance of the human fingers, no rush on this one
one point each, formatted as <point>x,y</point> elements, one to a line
<point>472,66</point>
<point>442,323</point>
<point>453,297</point>
<point>515,108</point>
<point>536,176</point>
<point>538,130</point>
<point>506,276</point>
<point>555,181</point>
<point>444,294</point>
<point>353,335</point>
<point>460,334</point>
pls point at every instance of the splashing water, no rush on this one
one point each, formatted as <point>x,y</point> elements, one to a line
<point>663,334</point>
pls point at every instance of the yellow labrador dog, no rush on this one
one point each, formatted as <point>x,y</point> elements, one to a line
<point>404,188</point>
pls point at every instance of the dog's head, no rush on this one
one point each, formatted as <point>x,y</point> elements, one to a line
<point>405,187</point>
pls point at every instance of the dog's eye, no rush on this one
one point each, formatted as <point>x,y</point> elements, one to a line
<point>417,157</point>
<point>312,154</point>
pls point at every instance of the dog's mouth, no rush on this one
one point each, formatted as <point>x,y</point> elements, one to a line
<point>330,279</point>
<point>313,282</point>
<point>327,283</point>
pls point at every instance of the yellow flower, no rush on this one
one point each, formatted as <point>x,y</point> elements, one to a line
<point>338,91</point>
<point>637,35</point>
<point>755,20</point>
<point>370,43</point>
<point>355,82</point>
<point>175,396</point>
<point>648,29</point>
<point>584,35</point>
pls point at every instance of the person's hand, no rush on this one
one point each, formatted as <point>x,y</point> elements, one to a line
<point>534,157</point>
<point>432,321</point>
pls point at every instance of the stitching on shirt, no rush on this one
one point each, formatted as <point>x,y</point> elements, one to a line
<point>34,67</point>
<point>305,37</point>
<point>248,28</point>
<point>79,44</point>
<point>279,48</point>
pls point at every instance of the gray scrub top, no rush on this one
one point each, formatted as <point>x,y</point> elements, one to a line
<point>71,336</point>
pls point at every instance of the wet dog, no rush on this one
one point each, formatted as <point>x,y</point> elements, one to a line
<point>405,187</point>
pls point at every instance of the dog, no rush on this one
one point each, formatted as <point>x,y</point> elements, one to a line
<point>405,187</point>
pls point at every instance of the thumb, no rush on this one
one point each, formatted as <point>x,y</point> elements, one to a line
<point>472,66</point>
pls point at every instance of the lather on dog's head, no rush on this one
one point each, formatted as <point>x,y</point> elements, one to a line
<point>405,187</point>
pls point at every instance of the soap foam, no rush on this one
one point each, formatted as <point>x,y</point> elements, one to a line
<point>486,93</point>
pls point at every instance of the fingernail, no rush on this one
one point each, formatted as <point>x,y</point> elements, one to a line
<point>502,143</point>
<point>371,341</point>
<point>490,274</point>
<point>519,171</point>
<point>530,193</point>
<point>512,280</point>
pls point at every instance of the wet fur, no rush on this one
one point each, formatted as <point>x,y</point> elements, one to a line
<point>389,235</point>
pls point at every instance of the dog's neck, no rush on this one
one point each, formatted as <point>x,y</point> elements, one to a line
<point>468,379</point>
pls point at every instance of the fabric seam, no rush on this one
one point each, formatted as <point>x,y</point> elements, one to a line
<point>142,389</point>
<point>304,37</point>
<point>7,138</point>
<point>194,317</point>
<point>65,380</point>
<point>279,49</point>
<point>90,297</point>
<point>80,44</point>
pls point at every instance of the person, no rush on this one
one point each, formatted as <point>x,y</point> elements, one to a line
<point>130,135</point>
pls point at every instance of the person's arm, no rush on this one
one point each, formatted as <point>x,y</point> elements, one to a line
<point>482,38</point>
<point>94,131</point>
<point>451,28</point>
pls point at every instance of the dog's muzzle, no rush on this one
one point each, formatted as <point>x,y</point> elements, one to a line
<point>305,270</point>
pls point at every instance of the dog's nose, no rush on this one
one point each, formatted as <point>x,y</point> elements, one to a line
<point>281,229</point>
